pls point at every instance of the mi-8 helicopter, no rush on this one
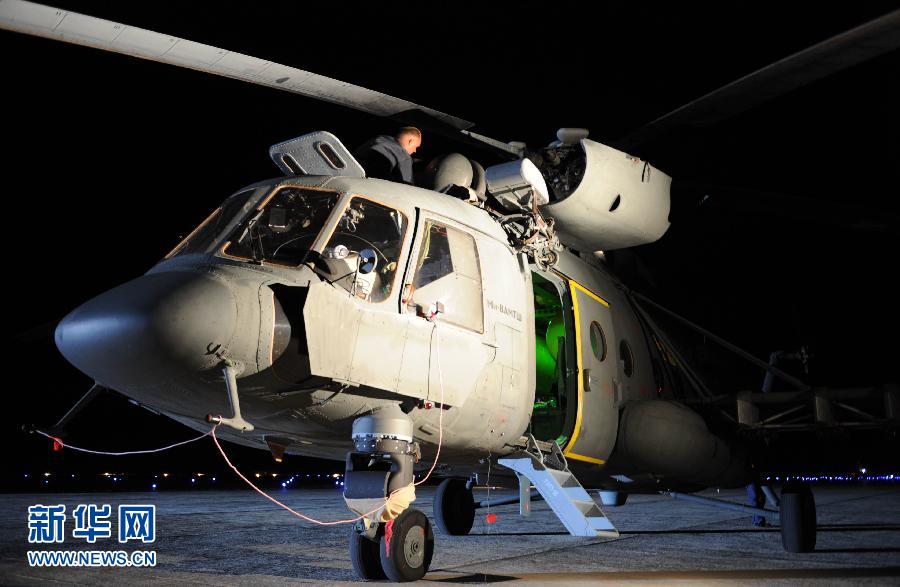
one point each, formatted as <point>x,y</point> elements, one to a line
<point>325,307</point>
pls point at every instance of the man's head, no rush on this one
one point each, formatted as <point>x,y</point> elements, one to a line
<point>410,138</point>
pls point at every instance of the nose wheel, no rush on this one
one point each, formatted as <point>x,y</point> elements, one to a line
<point>400,550</point>
<point>364,554</point>
<point>407,546</point>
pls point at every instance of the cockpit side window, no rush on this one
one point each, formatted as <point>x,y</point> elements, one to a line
<point>283,228</point>
<point>448,272</point>
<point>367,230</point>
<point>205,235</point>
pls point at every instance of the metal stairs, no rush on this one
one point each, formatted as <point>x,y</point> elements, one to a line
<point>550,475</point>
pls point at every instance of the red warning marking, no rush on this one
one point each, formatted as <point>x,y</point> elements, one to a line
<point>490,518</point>
<point>388,532</point>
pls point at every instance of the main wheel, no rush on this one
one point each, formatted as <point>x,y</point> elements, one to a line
<point>798,518</point>
<point>407,547</point>
<point>454,507</point>
<point>364,556</point>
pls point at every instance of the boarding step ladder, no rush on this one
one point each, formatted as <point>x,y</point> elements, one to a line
<point>550,475</point>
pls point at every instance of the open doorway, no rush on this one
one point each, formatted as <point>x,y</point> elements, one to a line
<point>555,392</point>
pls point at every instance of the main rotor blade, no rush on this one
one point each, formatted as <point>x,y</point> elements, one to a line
<point>849,48</point>
<point>79,29</point>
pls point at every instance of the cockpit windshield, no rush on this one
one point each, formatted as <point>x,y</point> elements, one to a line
<point>210,230</point>
<point>363,252</point>
<point>284,228</point>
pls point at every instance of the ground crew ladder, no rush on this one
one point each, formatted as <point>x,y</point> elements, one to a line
<point>574,507</point>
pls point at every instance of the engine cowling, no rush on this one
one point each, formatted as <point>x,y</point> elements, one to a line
<point>603,198</point>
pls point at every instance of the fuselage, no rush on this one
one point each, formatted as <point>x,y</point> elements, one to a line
<point>475,345</point>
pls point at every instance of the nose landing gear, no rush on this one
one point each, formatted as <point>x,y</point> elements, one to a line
<point>393,541</point>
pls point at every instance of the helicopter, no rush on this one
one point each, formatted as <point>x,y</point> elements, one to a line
<point>324,312</point>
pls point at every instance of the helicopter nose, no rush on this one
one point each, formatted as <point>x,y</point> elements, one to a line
<point>150,329</point>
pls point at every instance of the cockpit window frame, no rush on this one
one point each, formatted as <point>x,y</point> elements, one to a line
<point>426,217</point>
<point>340,203</point>
<point>180,246</point>
<point>408,232</point>
<point>212,246</point>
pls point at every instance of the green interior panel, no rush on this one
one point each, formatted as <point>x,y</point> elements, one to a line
<point>549,414</point>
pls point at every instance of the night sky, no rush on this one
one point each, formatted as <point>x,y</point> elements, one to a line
<point>784,224</point>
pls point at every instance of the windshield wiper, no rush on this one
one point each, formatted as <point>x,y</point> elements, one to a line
<point>250,226</point>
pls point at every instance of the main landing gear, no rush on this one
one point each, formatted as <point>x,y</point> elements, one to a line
<point>798,518</point>
<point>796,513</point>
<point>454,507</point>
<point>379,476</point>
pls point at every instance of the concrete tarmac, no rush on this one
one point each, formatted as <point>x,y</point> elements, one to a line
<point>239,538</point>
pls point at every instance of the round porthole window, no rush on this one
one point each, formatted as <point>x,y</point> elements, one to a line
<point>627,358</point>
<point>598,341</point>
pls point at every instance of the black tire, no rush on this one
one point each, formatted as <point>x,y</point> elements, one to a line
<point>454,507</point>
<point>364,556</point>
<point>798,518</point>
<point>407,556</point>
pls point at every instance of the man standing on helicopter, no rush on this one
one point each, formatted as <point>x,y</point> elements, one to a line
<point>390,157</point>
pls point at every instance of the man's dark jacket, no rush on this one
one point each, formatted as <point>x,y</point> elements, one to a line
<point>383,157</point>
